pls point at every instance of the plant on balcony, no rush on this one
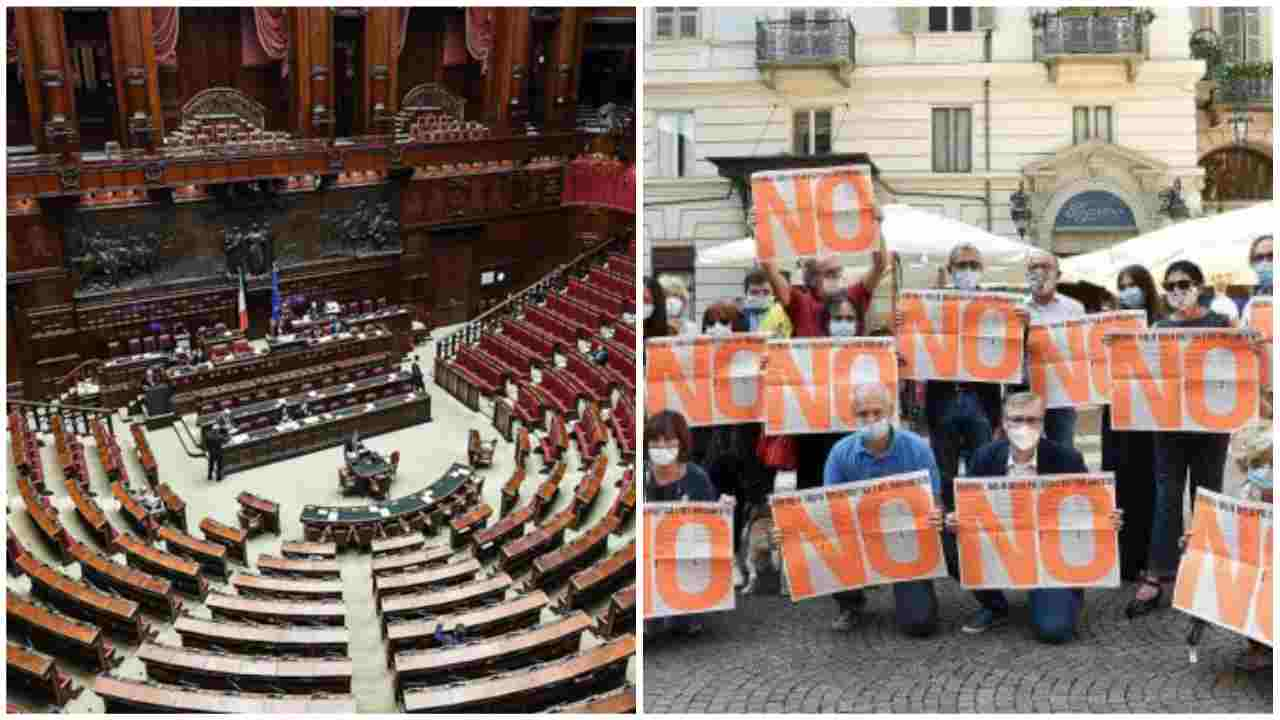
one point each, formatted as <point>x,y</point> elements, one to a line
<point>1244,71</point>
<point>1206,45</point>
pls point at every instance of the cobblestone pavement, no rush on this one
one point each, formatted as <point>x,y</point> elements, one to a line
<point>770,655</point>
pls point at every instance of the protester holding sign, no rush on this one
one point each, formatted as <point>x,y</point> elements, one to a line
<point>1262,260</point>
<point>1047,305</point>
<point>1131,454</point>
<point>670,476</point>
<point>655,310</point>
<point>1026,451</point>
<point>1201,456</point>
<point>876,451</point>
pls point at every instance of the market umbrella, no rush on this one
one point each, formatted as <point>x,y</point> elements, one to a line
<point>1219,244</point>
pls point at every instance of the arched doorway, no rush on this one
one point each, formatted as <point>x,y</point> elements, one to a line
<point>1236,175</point>
<point>1090,220</point>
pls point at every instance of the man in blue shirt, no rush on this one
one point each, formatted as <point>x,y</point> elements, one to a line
<point>879,450</point>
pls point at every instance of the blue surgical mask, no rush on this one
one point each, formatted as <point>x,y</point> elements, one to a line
<point>1264,271</point>
<point>757,303</point>
<point>1132,297</point>
<point>1260,477</point>
<point>844,328</point>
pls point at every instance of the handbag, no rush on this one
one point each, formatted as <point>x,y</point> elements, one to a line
<point>777,451</point>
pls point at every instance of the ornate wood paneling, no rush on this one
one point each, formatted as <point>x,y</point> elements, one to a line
<point>311,48</point>
<point>133,54</point>
<point>437,200</point>
<point>42,44</point>
<point>381,68</point>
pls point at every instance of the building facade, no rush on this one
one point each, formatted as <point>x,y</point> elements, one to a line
<point>1096,113</point>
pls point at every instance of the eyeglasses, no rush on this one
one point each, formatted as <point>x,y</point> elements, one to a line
<point>1261,257</point>
<point>971,265</point>
<point>1178,285</point>
<point>1024,419</point>
<point>846,318</point>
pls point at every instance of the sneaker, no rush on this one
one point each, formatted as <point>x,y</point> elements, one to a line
<point>845,621</point>
<point>984,620</point>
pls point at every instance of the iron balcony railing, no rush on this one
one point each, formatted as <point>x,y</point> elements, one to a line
<point>807,43</point>
<point>1099,31</point>
<point>1245,91</point>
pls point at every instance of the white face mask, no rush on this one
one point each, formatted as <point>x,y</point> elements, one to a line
<point>844,328</point>
<point>719,330</point>
<point>663,457</point>
<point>648,310</point>
<point>1040,282</point>
<point>758,302</point>
<point>1183,299</point>
<point>967,279</point>
<point>675,306</point>
<point>1022,437</point>
<point>877,429</point>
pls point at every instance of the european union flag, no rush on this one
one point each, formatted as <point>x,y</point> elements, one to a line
<point>275,293</point>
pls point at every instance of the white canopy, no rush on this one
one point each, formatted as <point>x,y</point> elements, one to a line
<point>1219,244</point>
<point>922,240</point>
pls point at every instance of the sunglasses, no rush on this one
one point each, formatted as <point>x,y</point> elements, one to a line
<point>1178,285</point>
<point>961,266</point>
<point>1261,257</point>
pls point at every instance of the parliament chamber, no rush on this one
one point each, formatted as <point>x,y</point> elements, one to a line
<point>320,360</point>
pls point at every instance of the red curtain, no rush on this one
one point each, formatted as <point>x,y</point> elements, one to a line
<point>164,32</point>
<point>455,44</point>
<point>600,181</point>
<point>481,27</point>
<point>264,36</point>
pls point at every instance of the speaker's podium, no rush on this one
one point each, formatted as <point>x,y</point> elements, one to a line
<point>157,406</point>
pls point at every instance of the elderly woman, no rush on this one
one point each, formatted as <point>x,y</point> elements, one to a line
<point>678,305</point>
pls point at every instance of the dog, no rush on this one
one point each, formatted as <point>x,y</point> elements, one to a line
<point>760,554</point>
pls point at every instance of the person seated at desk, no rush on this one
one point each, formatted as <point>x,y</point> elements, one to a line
<point>300,411</point>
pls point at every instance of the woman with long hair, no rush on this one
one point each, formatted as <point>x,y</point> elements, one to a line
<point>654,312</point>
<point>1131,455</point>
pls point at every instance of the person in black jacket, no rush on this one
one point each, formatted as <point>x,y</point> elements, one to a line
<point>1025,451</point>
<point>419,382</point>
<point>215,439</point>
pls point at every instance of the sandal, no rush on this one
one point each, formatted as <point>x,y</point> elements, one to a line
<point>1138,607</point>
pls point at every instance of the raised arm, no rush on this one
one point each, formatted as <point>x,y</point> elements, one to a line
<point>781,288</point>
<point>879,263</point>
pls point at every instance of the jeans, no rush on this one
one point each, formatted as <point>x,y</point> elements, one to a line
<point>1179,454</point>
<point>962,429</point>
<point>1054,611</point>
<point>1060,426</point>
<point>915,606</point>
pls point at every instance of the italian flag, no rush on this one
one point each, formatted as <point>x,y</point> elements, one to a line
<point>244,305</point>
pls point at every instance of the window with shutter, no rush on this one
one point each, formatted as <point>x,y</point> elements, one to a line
<point>962,19</point>
<point>952,140</point>
<point>1079,125</point>
<point>676,151</point>
<point>937,19</point>
<point>811,132</point>
<point>689,22</point>
<point>664,23</point>
<point>1242,34</point>
<point>1102,124</point>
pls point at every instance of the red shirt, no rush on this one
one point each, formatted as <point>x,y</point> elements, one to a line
<point>805,311</point>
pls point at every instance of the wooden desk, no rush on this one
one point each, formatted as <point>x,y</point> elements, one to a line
<point>211,556</point>
<point>400,583</point>
<point>483,656</point>
<point>174,505</point>
<point>398,544</point>
<point>501,617</point>
<point>550,488</point>
<point>287,588</point>
<point>584,496</point>
<point>45,517</point>
<point>511,490</point>
<point>433,602</point>
<point>285,612</point>
<point>301,549</point>
<point>624,505</point>
<point>344,395</point>
<point>233,539</point>
<point>58,634</point>
<point>553,567</point>
<point>37,672</point>
<point>14,549</point>
<point>309,567</point>
<point>487,541</point>
<point>606,576</point>
<point>235,394</point>
<point>167,663</point>
<point>615,702</point>
<point>154,592</point>
<point>109,612</point>
<point>400,562</point>
<point>326,430</point>
<point>268,510</point>
<point>185,574</point>
<point>620,617</point>
<point>462,527</point>
<point>269,639</point>
<point>91,513</point>
<point>130,696</point>
<point>138,516</point>
<point>600,668</point>
<point>142,448</point>
<point>414,508</point>
<point>518,553</point>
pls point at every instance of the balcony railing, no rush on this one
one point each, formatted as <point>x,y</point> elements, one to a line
<point>811,43</point>
<point>1245,91</point>
<point>1099,31</point>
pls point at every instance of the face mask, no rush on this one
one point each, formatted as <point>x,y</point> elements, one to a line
<point>719,330</point>
<point>1260,477</point>
<point>662,457</point>
<point>832,288</point>
<point>1263,269</point>
<point>1132,297</point>
<point>758,303</point>
<point>675,306</point>
<point>966,279</point>
<point>877,429</point>
<point>648,310</point>
<point>1023,438</point>
<point>844,328</point>
<point>1039,282</point>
